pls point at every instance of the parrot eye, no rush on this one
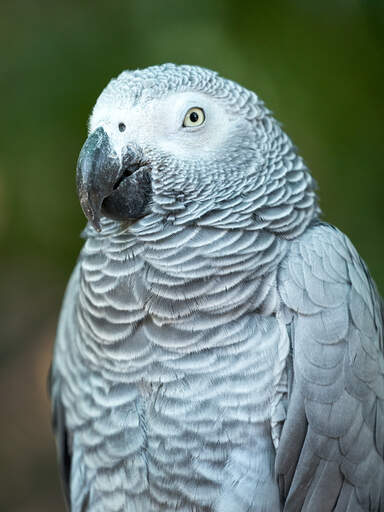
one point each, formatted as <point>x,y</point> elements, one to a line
<point>194,117</point>
<point>121,127</point>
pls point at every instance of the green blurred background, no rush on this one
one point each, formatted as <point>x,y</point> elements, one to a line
<point>317,65</point>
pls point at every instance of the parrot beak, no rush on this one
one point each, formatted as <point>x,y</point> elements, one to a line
<point>117,188</point>
<point>97,172</point>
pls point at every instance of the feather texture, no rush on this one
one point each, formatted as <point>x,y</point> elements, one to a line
<point>339,378</point>
<point>224,352</point>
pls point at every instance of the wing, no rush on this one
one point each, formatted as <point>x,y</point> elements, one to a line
<point>331,451</point>
<point>65,336</point>
<point>60,432</point>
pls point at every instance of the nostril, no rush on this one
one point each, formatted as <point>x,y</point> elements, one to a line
<point>122,127</point>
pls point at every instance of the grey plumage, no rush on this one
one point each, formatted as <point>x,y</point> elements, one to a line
<point>224,351</point>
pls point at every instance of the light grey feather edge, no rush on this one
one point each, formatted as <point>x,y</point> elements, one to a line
<point>68,467</point>
<point>331,453</point>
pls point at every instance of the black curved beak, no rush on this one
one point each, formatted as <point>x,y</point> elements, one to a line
<point>119,188</point>
<point>98,169</point>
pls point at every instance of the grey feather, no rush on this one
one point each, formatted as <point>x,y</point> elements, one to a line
<point>223,352</point>
<point>337,354</point>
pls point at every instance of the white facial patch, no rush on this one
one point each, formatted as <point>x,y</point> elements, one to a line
<point>158,123</point>
<point>189,142</point>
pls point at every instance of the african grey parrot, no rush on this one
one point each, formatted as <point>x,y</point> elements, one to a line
<point>220,348</point>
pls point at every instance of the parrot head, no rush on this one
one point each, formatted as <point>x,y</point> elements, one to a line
<point>183,141</point>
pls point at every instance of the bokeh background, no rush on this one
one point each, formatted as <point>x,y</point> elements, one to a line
<point>318,66</point>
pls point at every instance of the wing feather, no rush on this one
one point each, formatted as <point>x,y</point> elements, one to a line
<point>73,482</point>
<point>330,455</point>
<point>61,435</point>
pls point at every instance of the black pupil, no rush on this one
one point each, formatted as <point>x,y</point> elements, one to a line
<point>193,117</point>
<point>121,127</point>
